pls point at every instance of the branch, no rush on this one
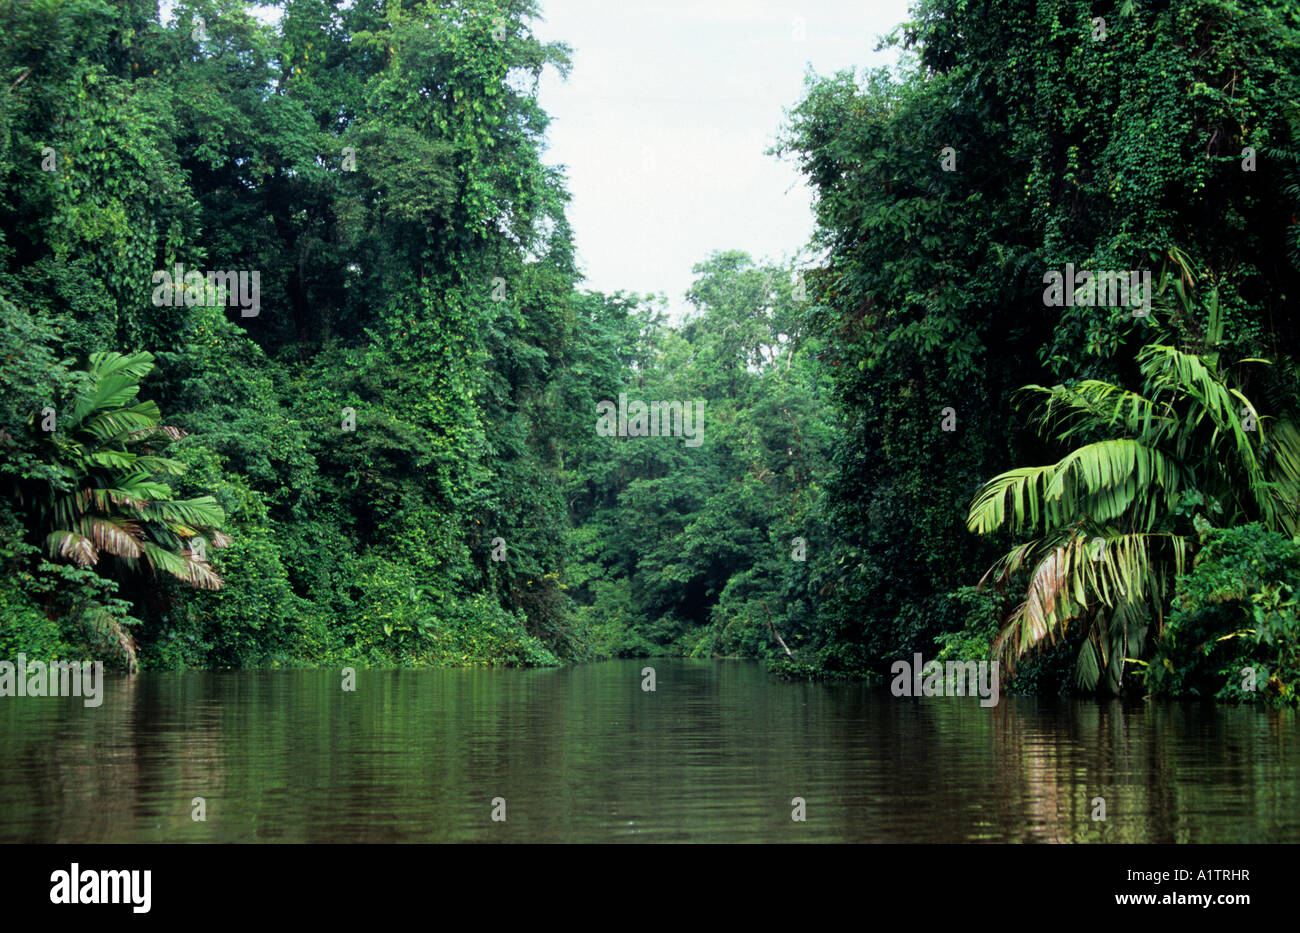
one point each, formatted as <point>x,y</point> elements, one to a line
<point>780,641</point>
<point>21,78</point>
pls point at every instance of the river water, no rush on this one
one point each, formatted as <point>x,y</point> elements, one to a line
<point>717,752</point>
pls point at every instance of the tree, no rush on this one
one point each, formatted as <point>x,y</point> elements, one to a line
<point>929,302</point>
<point>106,494</point>
<point>1116,518</point>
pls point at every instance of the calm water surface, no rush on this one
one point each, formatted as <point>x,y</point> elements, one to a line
<point>583,754</point>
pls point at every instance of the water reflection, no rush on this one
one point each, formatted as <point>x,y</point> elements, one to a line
<point>716,753</point>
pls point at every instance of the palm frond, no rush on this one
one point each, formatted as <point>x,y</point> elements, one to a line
<point>115,380</point>
<point>112,536</point>
<point>1104,479</point>
<point>1101,481</point>
<point>75,547</point>
<point>1012,498</point>
<point>117,424</point>
<point>1284,473</point>
<point>155,465</point>
<point>103,499</point>
<point>195,572</point>
<point>112,459</point>
<point>203,512</point>
<point>1074,579</point>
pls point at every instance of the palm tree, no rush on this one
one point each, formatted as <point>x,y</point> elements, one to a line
<point>1115,519</point>
<point>102,494</point>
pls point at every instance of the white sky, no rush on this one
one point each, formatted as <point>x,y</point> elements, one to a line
<point>665,118</point>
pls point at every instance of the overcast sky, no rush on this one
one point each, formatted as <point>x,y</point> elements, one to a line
<point>665,118</point>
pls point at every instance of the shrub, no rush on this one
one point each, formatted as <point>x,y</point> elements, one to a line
<point>1233,631</point>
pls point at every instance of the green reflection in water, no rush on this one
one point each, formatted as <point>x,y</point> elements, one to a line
<point>716,753</point>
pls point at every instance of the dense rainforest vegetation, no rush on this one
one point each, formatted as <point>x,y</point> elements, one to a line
<point>373,436</point>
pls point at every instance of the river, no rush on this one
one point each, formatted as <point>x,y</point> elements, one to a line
<point>717,752</point>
